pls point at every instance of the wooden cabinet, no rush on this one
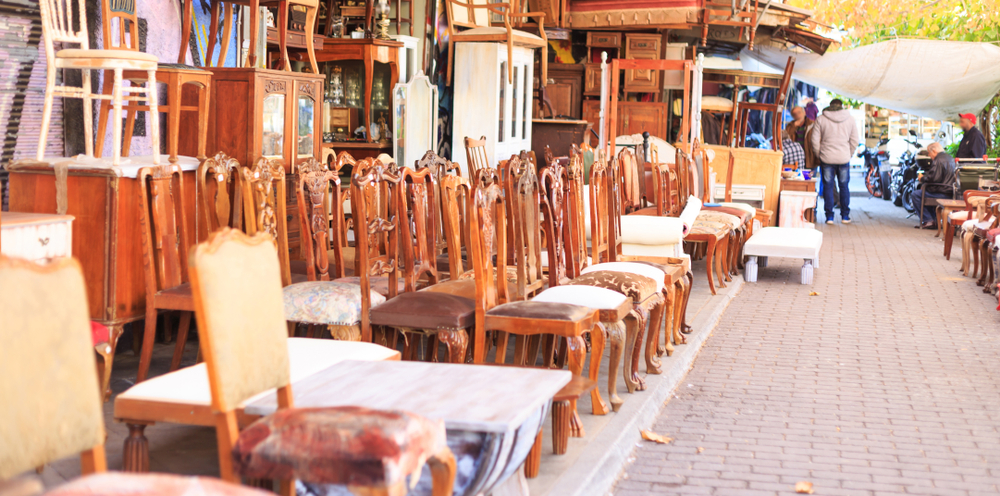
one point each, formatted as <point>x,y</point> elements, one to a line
<point>36,237</point>
<point>642,46</point>
<point>565,90</point>
<point>604,39</point>
<point>633,118</point>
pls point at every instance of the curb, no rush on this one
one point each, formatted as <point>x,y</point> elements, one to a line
<point>602,462</point>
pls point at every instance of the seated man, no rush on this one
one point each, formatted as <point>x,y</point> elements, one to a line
<point>794,153</point>
<point>936,182</point>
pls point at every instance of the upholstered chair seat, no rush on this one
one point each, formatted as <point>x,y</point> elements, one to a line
<point>612,305</point>
<point>326,302</point>
<point>128,484</point>
<point>638,287</point>
<point>427,310</point>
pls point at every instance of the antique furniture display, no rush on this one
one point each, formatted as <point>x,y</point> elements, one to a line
<point>372,449</point>
<point>558,135</point>
<point>565,91</point>
<point>121,13</point>
<point>477,15</point>
<point>740,110</point>
<point>634,117</point>
<point>488,103</point>
<point>757,180</point>
<point>106,237</point>
<point>607,42</point>
<point>370,71</point>
<point>36,237</point>
<point>626,117</point>
<point>415,115</point>
<point>165,245</point>
<point>642,46</point>
<point>57,27</point>
<point>490,430</point>
<point>784,242</point>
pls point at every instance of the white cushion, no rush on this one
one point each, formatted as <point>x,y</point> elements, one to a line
<point>975,223</point>
<point>586,296</point>
<point>789,242</point>
<point>716,103</point>
<point>674,250</point>
<point>742,206</point>
<point>959,215</point>
<point>690,212</point>
<point>652,230</point>
<point>632,268</point>
<point>189,386</point>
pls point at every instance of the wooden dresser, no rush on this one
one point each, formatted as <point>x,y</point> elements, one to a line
<point>36,237</point>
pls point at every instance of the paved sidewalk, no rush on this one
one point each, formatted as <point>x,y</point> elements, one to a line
<point>887,382</point>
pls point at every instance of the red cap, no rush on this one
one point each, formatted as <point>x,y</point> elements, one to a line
<point>971,117</point>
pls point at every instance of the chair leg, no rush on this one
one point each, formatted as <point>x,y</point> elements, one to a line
<point>116,124</point>
<point>577,352</point>
<point>175,90</point>
<point>283,7</point>
<point>154,114</point>
<point>616,343</point>
<point>311,13</point>
<point>227,31</point>
<point>213,32</point>
<point>254,21</point>
<point>678,313</point>
<point>653,338</point>
<point>709,254</point>
<point>107,352</point>
<point>949,238</point>
<point>456,342</point>
<point>47,114</point>
<point>103,112</point>
<point>597,342</point>
<point>561,415</point>
<point>720,247</point>
<point>88,113</point>
<point>688,286</point>
<point>534,460</point>
<point>148,336</point>
<point>182,334</point>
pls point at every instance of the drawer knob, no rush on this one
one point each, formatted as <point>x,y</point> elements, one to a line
<point>43,241</point>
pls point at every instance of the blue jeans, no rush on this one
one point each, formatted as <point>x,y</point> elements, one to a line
<point>928,213</point>
<point>843,176</point>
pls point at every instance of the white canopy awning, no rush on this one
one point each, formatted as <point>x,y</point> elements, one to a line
<point>929,78</point>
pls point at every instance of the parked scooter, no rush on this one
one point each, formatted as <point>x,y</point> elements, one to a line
<point>874,157</point>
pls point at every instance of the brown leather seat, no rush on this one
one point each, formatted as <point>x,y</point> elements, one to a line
<point>464,287</point>
<point>426,310</point>
<point>176,298</point>
<point>538,310</point>
<point>645,211</point>
<point>632,285</point>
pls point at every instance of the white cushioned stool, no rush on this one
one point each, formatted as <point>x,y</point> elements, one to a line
<point>785,242</point>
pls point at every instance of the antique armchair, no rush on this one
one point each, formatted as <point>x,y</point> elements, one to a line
<point>370,451</point>
<point>121,13</point>
<point>58,27</point>
<point>476,15</point>
<point>263,192</point>
<point>165,245</point>
<point>965,221</point>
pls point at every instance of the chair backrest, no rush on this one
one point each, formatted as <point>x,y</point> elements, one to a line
<point>118,17</point>
<point>487,226</point>
<point>439,168</point>
<point>454,201</point>
<point>375,209</point>
<point>602,197</point>
<point>236,284</point>
<point>474,14</point>
<point>318,196</point>
<point>264,207</point>
<point>525,240</point>
<point>418,212</point>
<point>475,153</point>
<point>59,25</point>
<point>662,194</point>
<point>553,195</point>
<point>162,217</point>
<point>631,181</point>
<point>219,196</point>
<point>576,239</point>
<point>49,392</point>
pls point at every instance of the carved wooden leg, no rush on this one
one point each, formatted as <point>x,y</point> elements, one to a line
<point>671,300</point>
<point>709,253</point>
<point>148,336</point>
<point>576,354</point>
<point>616,342</point>
<point>688,285</point>
<point>456,341</point>
<point>633,349</point>
<point>949,238</point>
<point>182,334</point>
<point>653,337</point>
<point>135,455</point>
<point>678,310</point>
<point>534,460</point>
<point>597,340</point>
<point>720,261</point>
<point>560,426</point>
<point>443,471</point>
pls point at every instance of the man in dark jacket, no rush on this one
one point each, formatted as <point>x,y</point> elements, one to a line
<point>973,143</point>
<point>936,182</point>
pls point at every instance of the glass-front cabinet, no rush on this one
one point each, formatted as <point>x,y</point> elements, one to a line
<point>416,112</point>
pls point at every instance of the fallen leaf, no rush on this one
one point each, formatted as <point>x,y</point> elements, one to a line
<point>814,293</point>
<point>804,487</point>
<point>656,438</point>
<point>700,449</point>
<point>838,429</point>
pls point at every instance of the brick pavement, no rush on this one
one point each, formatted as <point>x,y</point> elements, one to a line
<point>887,382</point>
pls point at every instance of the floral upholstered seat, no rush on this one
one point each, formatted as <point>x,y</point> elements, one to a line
<point>339,445</point>
<point>326,302</point>
<point>127,484</point>
<point>635,286</point>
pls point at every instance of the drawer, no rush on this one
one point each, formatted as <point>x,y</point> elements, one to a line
<point>750,192</point>
<point>604,40</point>
<point>643,43</point>
<point>38,242</point>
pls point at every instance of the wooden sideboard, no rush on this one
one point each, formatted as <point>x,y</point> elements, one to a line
<point>105,204</point>
<point>633,118</point>
<point>36,237</point>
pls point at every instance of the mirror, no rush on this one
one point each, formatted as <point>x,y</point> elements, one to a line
<point>304,143</point>
<point>274,125</point>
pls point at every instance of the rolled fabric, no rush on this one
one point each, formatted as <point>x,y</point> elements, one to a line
<point>652,230</point>
<point>690,213</point>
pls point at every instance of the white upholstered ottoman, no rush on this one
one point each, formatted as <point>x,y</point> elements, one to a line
<point>786,242</point>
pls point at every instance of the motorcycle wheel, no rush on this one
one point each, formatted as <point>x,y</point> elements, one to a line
<point>896,188</point>
<point>873,183</point>
<point>906,197</point>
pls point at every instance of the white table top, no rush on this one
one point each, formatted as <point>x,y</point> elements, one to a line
<point>127,167</point>
<point>479,398</point>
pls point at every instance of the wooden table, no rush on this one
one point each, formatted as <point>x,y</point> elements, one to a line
<point>944,210</point>
<point>493,414</point>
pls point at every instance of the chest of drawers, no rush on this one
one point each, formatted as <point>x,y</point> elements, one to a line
<point>36,237</point>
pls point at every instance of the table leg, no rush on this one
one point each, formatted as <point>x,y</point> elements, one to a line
<point>534,460</point>
<point>807,272</point>
<point>750,273</point>
<point>135,456</point>
<point>560,426</point>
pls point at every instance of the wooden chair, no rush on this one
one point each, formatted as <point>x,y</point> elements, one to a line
<point>475,152</point>
<point>121,14</point>
<point>959,220</point>
<point>440,168</point>
<point>220,197</point>
<point>58,27</point>
<point>712,235</point>
<point>739,216</point>
<point>981,242</point>
<point>777,109</point>
<point>263,186</point>
<point>476,15</point>
<point>237,287</point>
<point>283,6</point>
<point>164,255</point>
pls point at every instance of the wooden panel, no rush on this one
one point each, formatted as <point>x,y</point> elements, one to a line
<point>636,117</point>
<point>753,166</point>
<point>592,79</point>
<point>565,89</point>
<point>604,40</point>
<point>591,114</point>
<point>642,46</point>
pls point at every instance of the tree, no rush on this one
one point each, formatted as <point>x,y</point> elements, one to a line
<point>870,21</point>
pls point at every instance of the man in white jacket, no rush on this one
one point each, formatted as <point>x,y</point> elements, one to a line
<point>834,138</point>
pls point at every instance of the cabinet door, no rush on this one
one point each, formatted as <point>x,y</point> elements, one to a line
<point>306,128</point>
<point>592,79</point>
<point>565,91</point>
<point>591,114</point>
<point>645,47</point>
<point>276,116</point>
<point>637,117</point>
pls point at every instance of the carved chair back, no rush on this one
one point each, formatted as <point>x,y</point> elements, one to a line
<point>52,407</point>
<point>236,285</point>
<point>604,213</point>
<point>375,208</point>
<point>165,241</point>
<point>487,222</point>
<point>663,192</point>
<point>576,237</point>
<point>220,197</point>
<point>553,189</point>
<point>264,207</point>
<point>118,17</point>
<point>440,168</point>
<point>318,196</point>
<point>418,226</point>
<point>454,201</point>
<point>631,181</point>
<point>524,233</point>
<point>475,153</point>
<point>529,159</point>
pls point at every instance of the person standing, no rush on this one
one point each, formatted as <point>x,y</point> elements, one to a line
<point>973,143</point>
<point>937,182</point>
<point>834,137</point>
<point>799,131</point>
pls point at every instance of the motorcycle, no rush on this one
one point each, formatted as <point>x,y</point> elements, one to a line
<point>909,180</point>
<point>874,157</point>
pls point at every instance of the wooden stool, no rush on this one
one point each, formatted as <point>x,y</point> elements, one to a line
<point>561,415</point>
